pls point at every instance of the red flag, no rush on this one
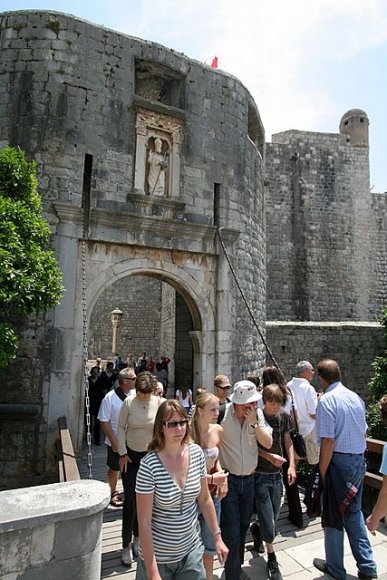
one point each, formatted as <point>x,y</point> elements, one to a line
<point>214,63</point>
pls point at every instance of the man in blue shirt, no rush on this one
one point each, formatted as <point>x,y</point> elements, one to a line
<point>341,431</point>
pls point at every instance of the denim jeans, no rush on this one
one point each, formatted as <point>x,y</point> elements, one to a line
<point>189,568</point>
<point>207,537</point>
<point>268,494</point>
<point>237,508</point>
<point>351,466</point>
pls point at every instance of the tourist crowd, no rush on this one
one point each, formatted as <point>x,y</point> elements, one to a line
<point>198,469</point>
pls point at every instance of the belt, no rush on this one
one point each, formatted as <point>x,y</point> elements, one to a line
<point>242,476</point>
<point>342,453</point>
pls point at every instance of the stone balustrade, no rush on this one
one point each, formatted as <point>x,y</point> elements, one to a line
<point>52,531</point>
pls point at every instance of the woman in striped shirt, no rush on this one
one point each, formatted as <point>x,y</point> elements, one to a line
<point>171,479</point>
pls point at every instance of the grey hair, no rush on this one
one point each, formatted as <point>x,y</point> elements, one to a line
<point>302,367</point>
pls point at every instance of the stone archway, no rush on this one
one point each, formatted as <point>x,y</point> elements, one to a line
<point>191,276</point>
<point>155,319</point>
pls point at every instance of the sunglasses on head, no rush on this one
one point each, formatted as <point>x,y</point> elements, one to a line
<point>174,424</point>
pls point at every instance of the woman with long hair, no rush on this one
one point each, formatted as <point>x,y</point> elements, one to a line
<point>184,396</point>
<point>207,433</point>
<point>171,481</point>
<point>135,428</point>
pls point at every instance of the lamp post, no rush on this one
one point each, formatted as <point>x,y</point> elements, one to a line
<point>116,317</point>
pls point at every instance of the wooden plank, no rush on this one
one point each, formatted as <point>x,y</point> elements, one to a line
<point>375,445</point>
<point>372,480</point>
<point>70,467</point>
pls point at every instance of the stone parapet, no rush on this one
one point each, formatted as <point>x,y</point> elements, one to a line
<point>52,531</point>
<point>353,344</point>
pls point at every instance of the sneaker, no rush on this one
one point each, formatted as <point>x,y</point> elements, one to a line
<point>126,557</point>
<point>273,570</point>
<point>256,533</point>
<point>135,547</point>
<point>366,576</point>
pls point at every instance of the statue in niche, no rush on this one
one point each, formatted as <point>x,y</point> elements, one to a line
<point>157,167</point>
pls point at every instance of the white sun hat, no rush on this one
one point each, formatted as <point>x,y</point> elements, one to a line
<point>244,392</point>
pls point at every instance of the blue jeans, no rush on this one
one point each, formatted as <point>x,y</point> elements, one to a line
<point>207,537</point>
<point>268,494</point>
<point>351,466</point>
<point>237,508</point>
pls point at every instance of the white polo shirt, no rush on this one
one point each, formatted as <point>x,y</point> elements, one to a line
<point>110,410</point>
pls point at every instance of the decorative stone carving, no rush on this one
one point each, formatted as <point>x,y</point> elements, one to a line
<point>158,153</point>
<point>158,146</point>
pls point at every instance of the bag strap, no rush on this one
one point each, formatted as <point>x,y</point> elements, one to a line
<point>294,410</point>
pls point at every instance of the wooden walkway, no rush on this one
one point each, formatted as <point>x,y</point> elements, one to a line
<point>295,548</point>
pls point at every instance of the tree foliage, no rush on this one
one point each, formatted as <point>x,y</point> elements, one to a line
<point>378,388</point>
<point>30,279</point>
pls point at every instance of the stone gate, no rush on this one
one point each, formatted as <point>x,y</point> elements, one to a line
<point>143,157</point>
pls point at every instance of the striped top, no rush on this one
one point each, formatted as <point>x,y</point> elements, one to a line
<point>174,517</point>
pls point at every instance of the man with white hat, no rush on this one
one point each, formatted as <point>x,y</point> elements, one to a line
<point>243,425</point>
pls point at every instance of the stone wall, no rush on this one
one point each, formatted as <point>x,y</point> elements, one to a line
<point>378,256</point>
<point>139,298</point>
<point>353,345</point>
<point>319,229</point>
<point>85,102</point>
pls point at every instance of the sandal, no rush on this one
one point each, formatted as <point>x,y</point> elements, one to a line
<point>116,500</point>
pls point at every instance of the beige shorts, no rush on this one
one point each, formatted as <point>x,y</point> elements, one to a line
<point>312,448</point>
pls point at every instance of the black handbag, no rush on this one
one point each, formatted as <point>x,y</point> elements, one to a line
<point>297,438</point>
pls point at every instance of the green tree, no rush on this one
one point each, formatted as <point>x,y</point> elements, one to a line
<point>30,279</point>
<point>378,388</point>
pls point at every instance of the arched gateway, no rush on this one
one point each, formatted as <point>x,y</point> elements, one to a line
<point>142,153</point>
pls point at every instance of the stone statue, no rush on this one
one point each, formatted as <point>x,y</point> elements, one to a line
<point>158,164</point>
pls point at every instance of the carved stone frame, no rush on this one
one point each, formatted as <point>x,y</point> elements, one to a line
<point>151,124</point>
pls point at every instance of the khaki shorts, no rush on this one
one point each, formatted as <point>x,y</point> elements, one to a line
<point>312,448</point>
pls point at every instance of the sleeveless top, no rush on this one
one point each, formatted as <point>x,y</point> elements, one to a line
<point>211,454</point>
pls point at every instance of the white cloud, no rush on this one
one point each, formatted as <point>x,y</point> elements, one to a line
<point>271,46</point>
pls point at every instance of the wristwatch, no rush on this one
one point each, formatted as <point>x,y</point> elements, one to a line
<point>254,426</point>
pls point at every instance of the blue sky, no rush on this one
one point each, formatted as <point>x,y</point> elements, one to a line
<point>306,63</point>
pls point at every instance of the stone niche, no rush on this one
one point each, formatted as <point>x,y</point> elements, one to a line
<point>158,149</point>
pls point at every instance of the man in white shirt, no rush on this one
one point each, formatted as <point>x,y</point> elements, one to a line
<point>108,415</point>
<point>305,398</point>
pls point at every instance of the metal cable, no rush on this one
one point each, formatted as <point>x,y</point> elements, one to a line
<point>245,301</point>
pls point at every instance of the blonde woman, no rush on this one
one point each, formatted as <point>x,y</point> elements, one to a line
<point>171,482</point>
<point>206,433</point>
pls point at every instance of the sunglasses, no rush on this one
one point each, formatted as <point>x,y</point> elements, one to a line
<point>224,388</point>
<point>174,424</point>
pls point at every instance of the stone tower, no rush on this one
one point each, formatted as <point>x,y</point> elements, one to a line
<point>354,124</point>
